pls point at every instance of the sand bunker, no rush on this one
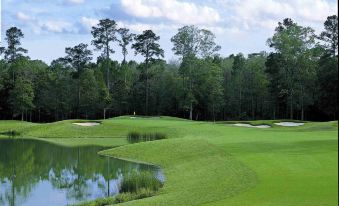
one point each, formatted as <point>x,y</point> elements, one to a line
<point>87,124</point>
<point>252,126</point>
<point>289,124</point>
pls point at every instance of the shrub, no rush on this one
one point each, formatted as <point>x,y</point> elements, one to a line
<point>99,202</point>
<point>128,196</point>
<point>11,133</point>
<point>135,137</point>
<point>135,181</point>
<point>124,197</point>
<point>135,185</point>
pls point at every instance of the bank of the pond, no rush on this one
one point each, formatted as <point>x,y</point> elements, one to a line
<point>220,164</point>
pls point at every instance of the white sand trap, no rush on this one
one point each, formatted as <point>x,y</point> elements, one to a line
<point>289,124</point>
<point>252,126</point>
<point>87,124</point>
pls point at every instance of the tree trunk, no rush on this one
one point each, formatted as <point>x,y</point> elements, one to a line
<point>78,102</point>
<point>252,105</point>
<point>191,111</point>
<point>213,113</point>
<point>302,112</point>
<point>107,65</point>
<point>146,109</point>
<point>240,97</point>
<point>190,89</point>
<point>107,76</point>
<point>302,103</point>
<point>291,106</point>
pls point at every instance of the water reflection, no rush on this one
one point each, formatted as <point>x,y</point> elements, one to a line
<point>38,173</point>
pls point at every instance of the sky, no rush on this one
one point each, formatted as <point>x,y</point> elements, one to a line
<point>239,25</point>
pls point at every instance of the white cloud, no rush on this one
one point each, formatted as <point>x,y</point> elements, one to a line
<point>88,23</point>
<point>318,10</point>
<point>74,2</point>
<point>23,17</point>
<point>258,14</point>
<point>140,27</point>
<point>173,10</point>
<point>57,26</point>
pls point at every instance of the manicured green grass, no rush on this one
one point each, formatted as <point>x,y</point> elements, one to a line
<point>218,164</point>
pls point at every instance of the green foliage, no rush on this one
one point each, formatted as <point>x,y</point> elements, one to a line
<point>192,41</point>
<point>120,198</point>
<point>125,39</point>
<point>103,35</point>
<point>128,196</point>
<point>99,202</point>
<point>330,35</point>
<point>89,91</point>
<point>13,50</point>
<point>147,45</point>
<point>134,186</point>
<point>78,57</point>
<point>134,137</point>
<point>296,81</point>
<point>10,133</point>
<point>295,44</point>
<point>22,95</point>
<point>136,181</point>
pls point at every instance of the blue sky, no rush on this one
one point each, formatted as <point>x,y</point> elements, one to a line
<point>239,25</point>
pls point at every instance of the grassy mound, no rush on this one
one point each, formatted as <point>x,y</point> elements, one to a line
<point>194,170</point>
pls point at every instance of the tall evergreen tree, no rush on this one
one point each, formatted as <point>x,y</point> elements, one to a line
<point>104,34</point>
<point>146,44</point>
<point>330,35</point>
<point>78,57</point>
<point>13,39</point>
<point>125,39</point>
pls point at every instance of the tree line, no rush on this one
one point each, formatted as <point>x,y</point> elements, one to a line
<point>297,80</point>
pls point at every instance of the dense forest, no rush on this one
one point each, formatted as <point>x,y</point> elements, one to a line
<point>297,80</point>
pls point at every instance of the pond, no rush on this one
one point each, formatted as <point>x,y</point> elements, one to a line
<point>34,173</point>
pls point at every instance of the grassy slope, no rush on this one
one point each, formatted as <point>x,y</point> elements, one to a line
<point>220,164</point>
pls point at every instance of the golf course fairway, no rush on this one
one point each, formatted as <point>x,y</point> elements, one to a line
<point>207,163</point>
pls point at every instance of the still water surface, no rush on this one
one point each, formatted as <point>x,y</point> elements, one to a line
<point>34,173</point>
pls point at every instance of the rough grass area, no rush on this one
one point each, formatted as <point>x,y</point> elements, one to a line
<point>217,164</point>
